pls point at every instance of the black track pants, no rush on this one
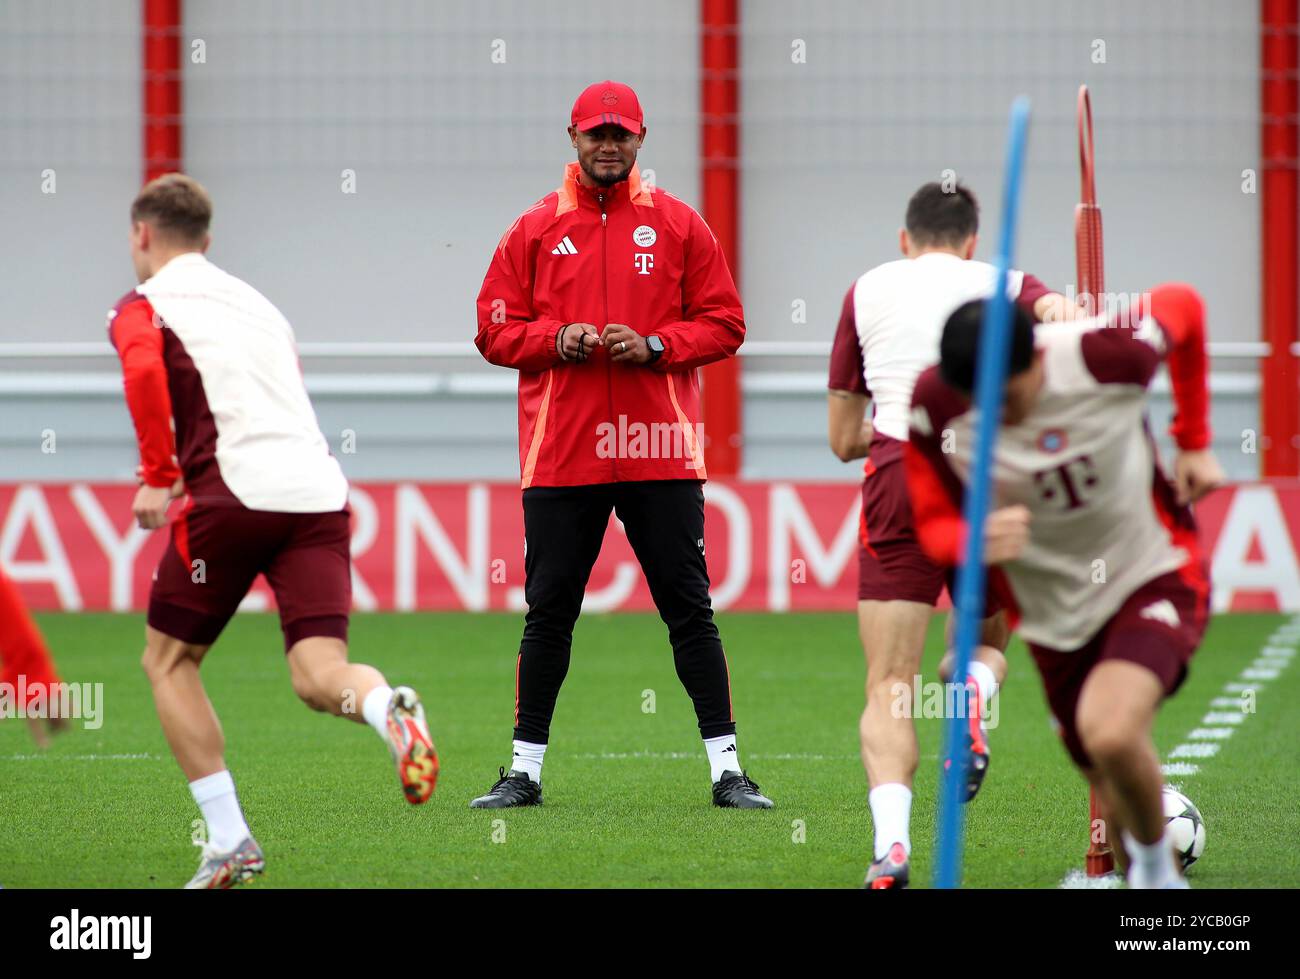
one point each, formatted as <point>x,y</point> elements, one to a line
<point>563,530</point>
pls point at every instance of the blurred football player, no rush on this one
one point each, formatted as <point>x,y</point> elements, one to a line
<point>1093,546</point>
<point>221,413</point>
<point>888,333</point>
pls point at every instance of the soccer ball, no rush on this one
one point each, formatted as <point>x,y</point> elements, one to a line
<point>1186,828</point>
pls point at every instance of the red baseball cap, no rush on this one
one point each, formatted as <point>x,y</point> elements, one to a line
<point>607,102</point>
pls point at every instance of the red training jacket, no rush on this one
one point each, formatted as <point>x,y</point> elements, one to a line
<point>627,254</point>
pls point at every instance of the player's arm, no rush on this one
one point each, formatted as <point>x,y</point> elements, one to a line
<point>139,345</point>
<point>1055,308</point>
<point>509,334</point>
<point>1169,325</point>
<point>936,492</point>
<point>1045,305</point>
<point>847,428</point>
<point>1181,314</point>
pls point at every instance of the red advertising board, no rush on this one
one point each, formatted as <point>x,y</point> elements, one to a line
<point>772,546</point>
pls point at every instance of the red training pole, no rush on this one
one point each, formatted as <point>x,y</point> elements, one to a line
<point>720,194</point>
<point>161,73</point>
<point>1090,269</point>
<point>1279,401</point>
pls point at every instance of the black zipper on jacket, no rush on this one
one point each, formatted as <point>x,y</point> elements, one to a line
<point>609,365</point>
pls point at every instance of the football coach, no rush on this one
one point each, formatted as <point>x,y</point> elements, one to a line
<point>606,295</point>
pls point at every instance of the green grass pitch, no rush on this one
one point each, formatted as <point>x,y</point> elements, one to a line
<point>627,790</point>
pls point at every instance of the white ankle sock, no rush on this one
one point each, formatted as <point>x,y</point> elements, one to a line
<point>375,709</point>
<point>986,684</point>
<point>891,811</point>
<point>723,756</point>
<point>986,681</point>
<point>215,795</point>
<point>527,758</point>
<point>1151,865</point>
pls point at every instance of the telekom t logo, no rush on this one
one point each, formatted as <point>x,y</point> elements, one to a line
<point>644,262</point>
<point>1073,480</point>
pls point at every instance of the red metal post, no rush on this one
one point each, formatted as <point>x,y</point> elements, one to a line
<point>1279,402</point>
<point>161,71</point>
<point>720,193</point>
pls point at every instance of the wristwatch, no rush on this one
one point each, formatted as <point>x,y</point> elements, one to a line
<point>656,348</point>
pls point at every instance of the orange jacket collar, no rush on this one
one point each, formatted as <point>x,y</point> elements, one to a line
<point>637,192</point>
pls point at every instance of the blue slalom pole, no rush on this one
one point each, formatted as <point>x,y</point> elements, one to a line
<point>990,379</point>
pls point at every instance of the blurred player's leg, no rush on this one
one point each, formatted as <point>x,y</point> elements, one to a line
<point>230,855</point>
<point>211,559</point>
<point>325,681</point>
<point>984,677</point>
<point>187,717</point>
<point>1104,696</point>
<point>897,588</point>
<point>893,637</point>
<point>23,654</point>
<point>311,576</point>
<point>1117,708</point>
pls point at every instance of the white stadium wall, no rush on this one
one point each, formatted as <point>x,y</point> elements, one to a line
<point>893,93</point>
<point>448,146</point>
<point>451,124</point>
<point>848,107</point>
<point>69,164</point>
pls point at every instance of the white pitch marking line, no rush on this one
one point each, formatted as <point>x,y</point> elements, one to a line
<point>1254,673</point>
<point>1206,750</point>
<point>685,755</point>
<point>1223,717</point>
<point>1077,880</point>
<point>47,757</point>
<point>1218,726</point>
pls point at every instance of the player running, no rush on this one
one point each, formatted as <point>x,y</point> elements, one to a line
<point>1094,546</point>
<point>888,333</point>
<point>204,351</point>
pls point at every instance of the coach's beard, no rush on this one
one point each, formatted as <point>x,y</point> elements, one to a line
<point>606,181</point>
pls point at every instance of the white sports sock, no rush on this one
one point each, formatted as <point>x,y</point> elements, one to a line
<point>215,795</point>
<point>723,756</point>
<point>986,682</point>
<point>528,758</point>
<point>375,709</point>
<point>891,812</point>
<point>1151,865</point>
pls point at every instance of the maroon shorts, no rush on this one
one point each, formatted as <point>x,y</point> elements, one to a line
<point>216,552</point>
<point>891,564</point>
<point>1159,627</point>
